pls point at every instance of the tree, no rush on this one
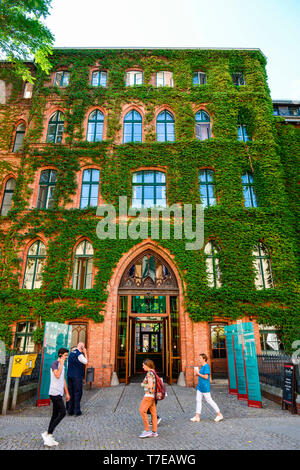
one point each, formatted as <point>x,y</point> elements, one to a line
<point>24,35</point>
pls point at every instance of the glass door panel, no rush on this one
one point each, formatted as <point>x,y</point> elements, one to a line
<point>148,304</point>
<point>121,339</point>
<point>175,340</point>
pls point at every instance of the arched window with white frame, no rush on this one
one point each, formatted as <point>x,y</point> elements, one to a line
<point>19,137</point>
<point>56,128</point>
<point>212,259</point>
<point>132,131</point>
<point>202,125</point>
<point>95,126</point>
<point>262,267</point>
<point>7,196</point>
<point>83,266</point>
<point>35,262</point>
<point>165,127</point>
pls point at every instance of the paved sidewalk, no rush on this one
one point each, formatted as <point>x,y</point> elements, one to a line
<point>111,420</point>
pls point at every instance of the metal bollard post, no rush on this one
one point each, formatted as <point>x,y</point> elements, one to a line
<point>90,376</point>
<point>7,386</point>
<point>15,394</point>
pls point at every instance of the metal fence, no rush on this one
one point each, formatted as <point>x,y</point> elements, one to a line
<point>270,367</point>
<point>25,379</point>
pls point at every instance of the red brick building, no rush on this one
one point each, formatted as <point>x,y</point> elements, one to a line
<point>162,109</point>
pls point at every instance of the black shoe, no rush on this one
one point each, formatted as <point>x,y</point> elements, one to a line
<point>71,414</point>
<point>79,414</point>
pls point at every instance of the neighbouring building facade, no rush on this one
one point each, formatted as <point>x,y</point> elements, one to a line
<point>159,126</point>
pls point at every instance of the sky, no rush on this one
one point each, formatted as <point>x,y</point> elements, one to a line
<point>270,25</point>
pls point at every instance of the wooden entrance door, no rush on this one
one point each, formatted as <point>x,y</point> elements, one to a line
<point>148,337</point>
<point>165,342</point>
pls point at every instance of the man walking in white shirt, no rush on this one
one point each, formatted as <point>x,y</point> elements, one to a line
<point>56,391</point>
<point>77,361</point>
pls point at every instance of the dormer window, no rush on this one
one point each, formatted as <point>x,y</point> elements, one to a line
<point>164,79</point>
<point>134,77</point>
<point>199,78</point>
<point>99,78</point>
<point>238,79</point>
<point>62,79</point>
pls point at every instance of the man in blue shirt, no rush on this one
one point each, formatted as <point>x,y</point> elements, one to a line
<point>76,363</point>
<point>203,389</point>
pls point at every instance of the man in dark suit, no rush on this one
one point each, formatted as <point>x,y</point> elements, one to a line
<point>77,361</point>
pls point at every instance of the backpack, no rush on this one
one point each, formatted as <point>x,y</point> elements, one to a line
<point>160,388</point>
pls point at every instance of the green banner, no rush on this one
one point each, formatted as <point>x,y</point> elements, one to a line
<point>228,330</point>
<point>56,336</point>
<point>252,374</point>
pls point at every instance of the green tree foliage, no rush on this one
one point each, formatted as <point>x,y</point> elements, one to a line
<point>23,34</point>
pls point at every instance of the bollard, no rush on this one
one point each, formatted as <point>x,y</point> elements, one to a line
<point>181,380</point>
<point>90,376</point>
<point>7,386</point>
<point>114,380</point>
<point>15,394</point>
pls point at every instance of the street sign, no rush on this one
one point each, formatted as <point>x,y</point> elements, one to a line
<point>289,386</point>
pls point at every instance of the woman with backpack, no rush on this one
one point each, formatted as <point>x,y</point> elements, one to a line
<point>148,402</point>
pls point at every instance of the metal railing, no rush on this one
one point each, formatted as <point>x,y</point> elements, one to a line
<point>25,379</point>
<point>270,367</point>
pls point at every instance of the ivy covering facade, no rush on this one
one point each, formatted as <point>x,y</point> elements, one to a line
<point>271,156</point>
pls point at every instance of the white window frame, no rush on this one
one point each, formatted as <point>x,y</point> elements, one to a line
<point>164,78</point>
<point>134,77</point>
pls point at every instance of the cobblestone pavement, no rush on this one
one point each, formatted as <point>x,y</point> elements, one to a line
<point>111,420</point>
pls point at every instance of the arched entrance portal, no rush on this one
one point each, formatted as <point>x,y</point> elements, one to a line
<point>148,318</point>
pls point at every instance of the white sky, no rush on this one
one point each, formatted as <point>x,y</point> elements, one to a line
<point>271,25</point>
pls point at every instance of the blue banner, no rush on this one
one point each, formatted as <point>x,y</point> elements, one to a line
<point>230,360</point>
<point>56,336</point>
<point>252,374</point>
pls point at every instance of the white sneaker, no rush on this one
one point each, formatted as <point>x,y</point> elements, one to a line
<point>54,441</point>
<point>219,418</point>
<point>195,419</point>
<point>49,440</point>
<point>145,434</point>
